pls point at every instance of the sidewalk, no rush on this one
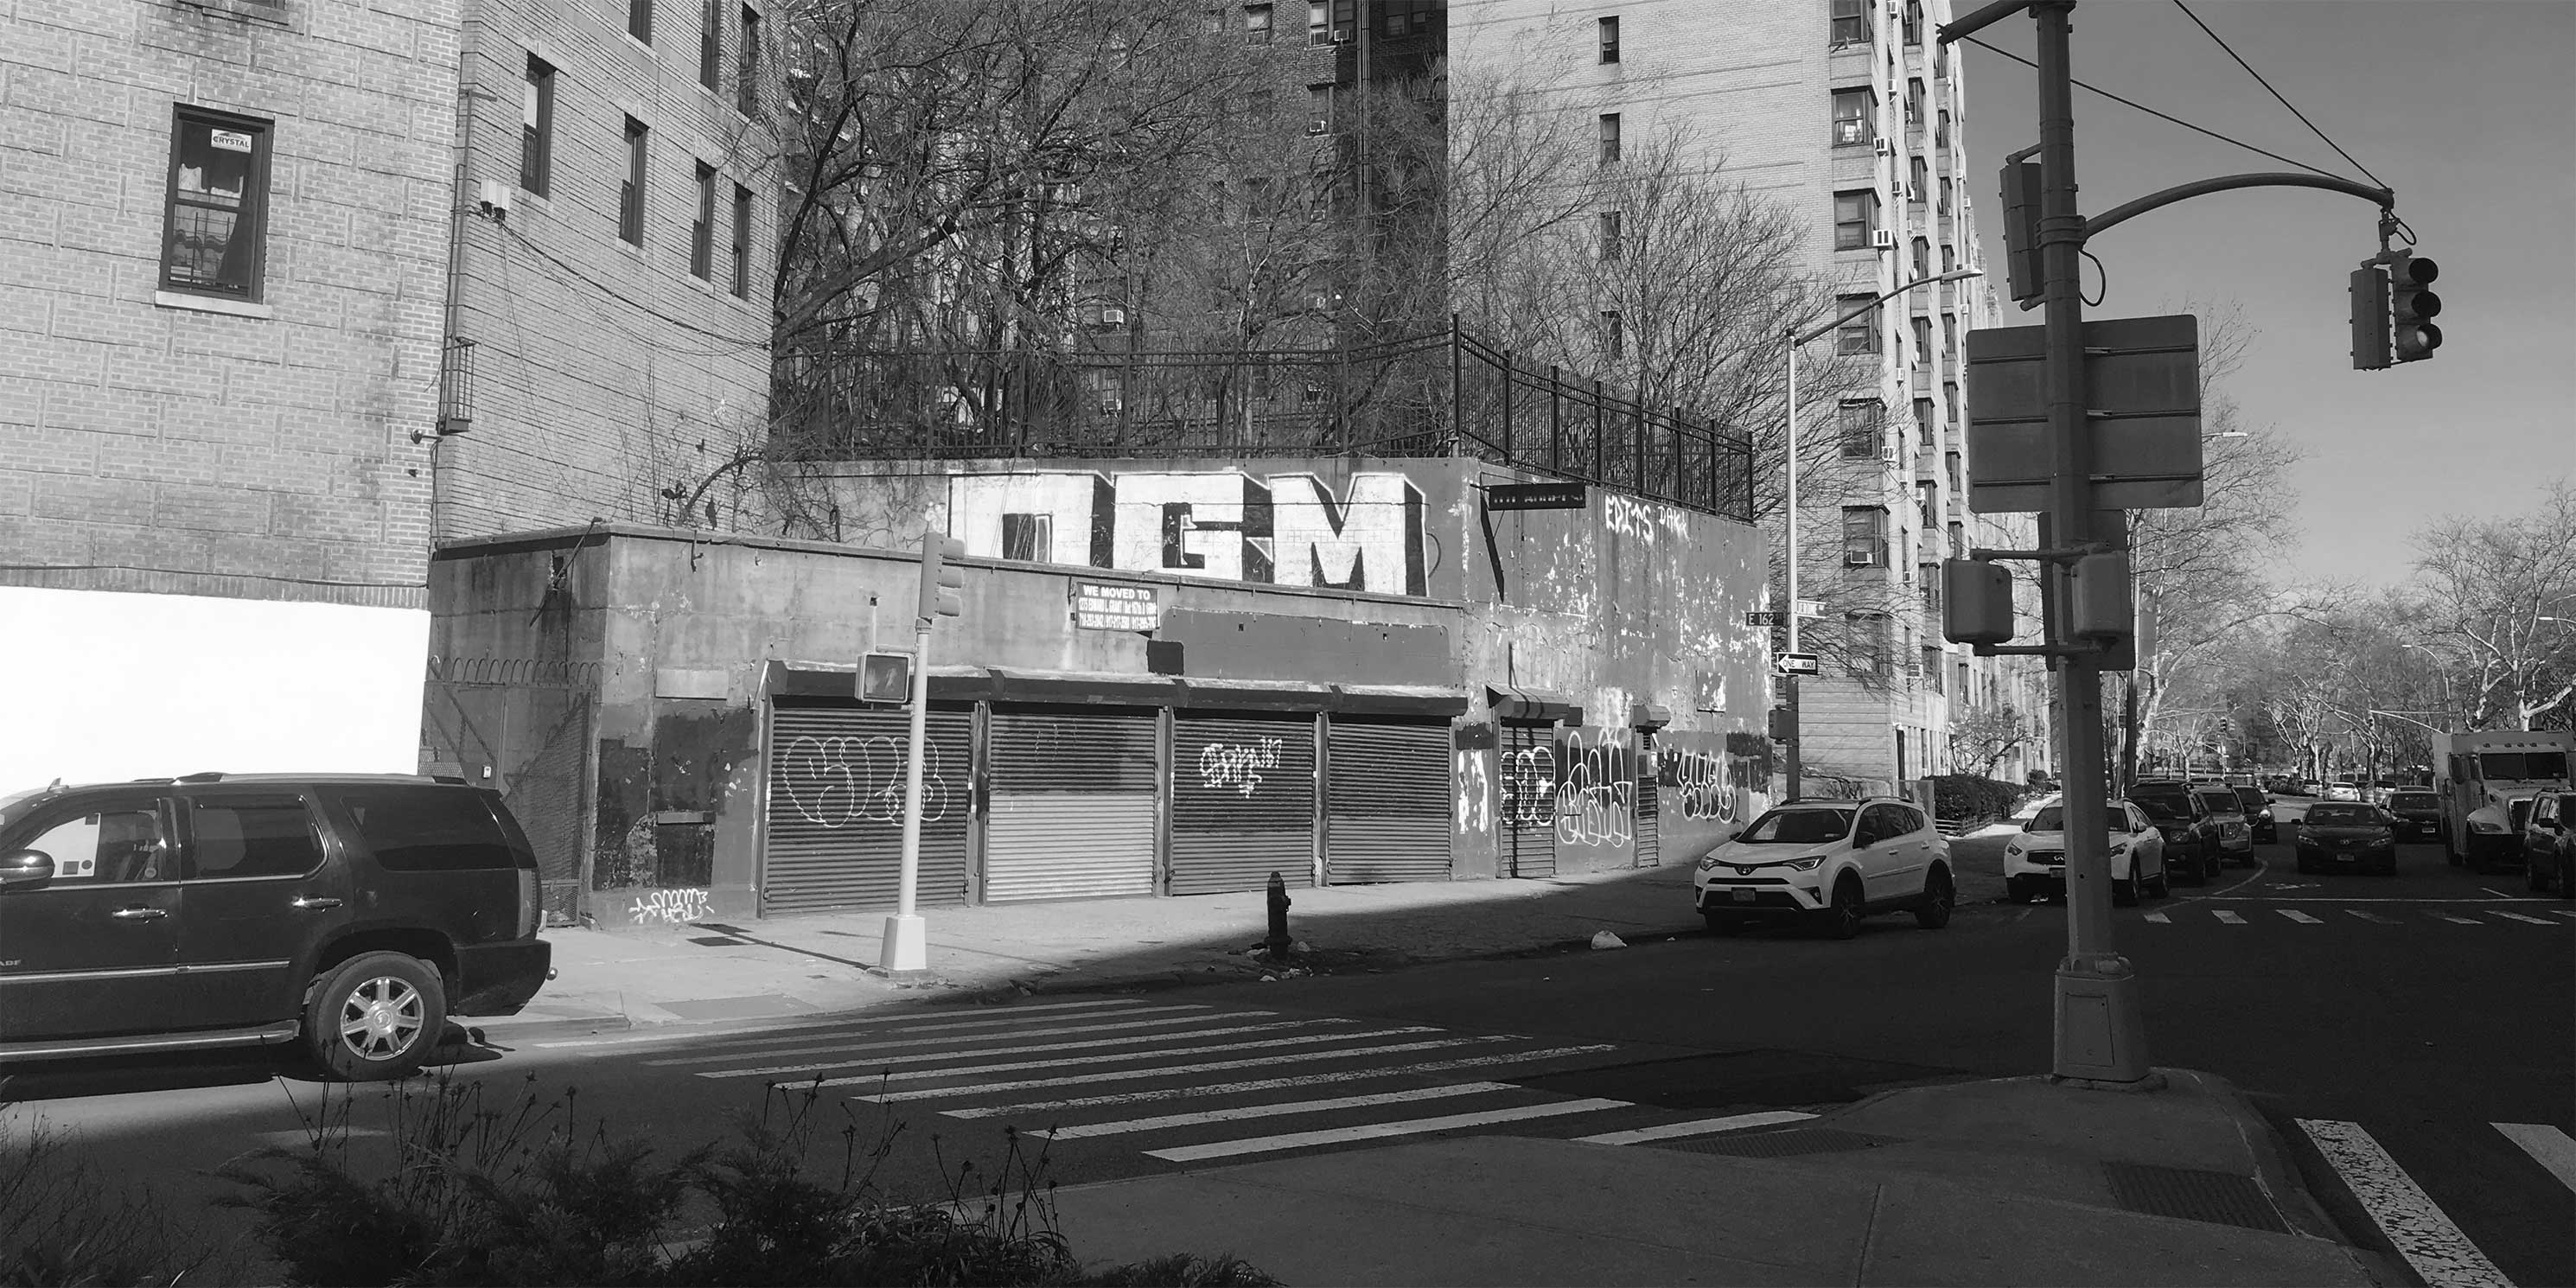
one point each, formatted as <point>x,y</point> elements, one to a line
<point>2017,1181</point>
<point>713,972</point>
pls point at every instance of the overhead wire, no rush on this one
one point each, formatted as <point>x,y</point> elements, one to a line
<point>2276,94</point>
<point>2158,115</point>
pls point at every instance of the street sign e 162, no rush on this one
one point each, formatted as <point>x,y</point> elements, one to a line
<point>1795,664</point>
<point>2142,394</point>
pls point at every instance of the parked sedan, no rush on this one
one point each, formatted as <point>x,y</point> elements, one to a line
<point>2549,844</point>
<point>2345,836</point>
<point>2258,812</point>
<point>2419,812</point>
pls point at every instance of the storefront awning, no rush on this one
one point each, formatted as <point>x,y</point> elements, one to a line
<point>1400,700</point>
<point>793,679</point>
<point>1540,705</point>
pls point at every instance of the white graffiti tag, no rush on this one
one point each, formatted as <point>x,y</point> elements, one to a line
<point>837,781</point>
<point>669,907</point>
<point>1475,792</point>
<point>1699,780</point>
<point>1529,787</point>
<point>1596,804</point>
<point>1228,765</point>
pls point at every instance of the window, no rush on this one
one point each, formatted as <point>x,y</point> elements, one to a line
<point>1950,336</point>
<point>746,90</point>
<point>428,829</point>
<point>1923,420</point>
<point>1941,137</point>
<point>217,212</point>
<point>1932,664</point>
<point>1855,218</point>
<point>1926,505</point>
<point>107,848</point>
<point>1922,257</point>
<point>252,836</point>
<point>1949,257</point>
<point>1609,138</point>
<point>1319,22</point>
<point>1851,22</point>
<point>1860,334</point>
<point>1611,242</point>
<point>1405,18</point>
<point>1913,22</point>
<point>1319,105</point>
<point>1914,104</point>
<point>2135,825</point>
<point>1916,189</point>
<point>1614,337</point>
<point>1944,207</point>
<point>1851,118</point>
<point>1959,537</point>
<point>630,195</point>
<point>1864,536</point>
<point>710,42</point>
<point>1861,429</point>
<point>1950,400</point>
<point>1873,640</point>
<point>741,242</point>
<point>1610,40</point>
<point>1922,341</point>
<point>639,20</point>
<point>702,230</point>
<point>537,126</point>
<point>1256,23</point>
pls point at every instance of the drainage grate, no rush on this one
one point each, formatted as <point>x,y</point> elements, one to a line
<point>1779,1144</point>
<point>2221,1198</point>
<point>714,941</point>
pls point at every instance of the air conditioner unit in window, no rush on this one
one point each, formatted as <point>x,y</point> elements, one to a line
<point>1318,36</point>
<point>1341,35</point>
<point>1113,316</point>
<point>495,199</point>
<point>1887,451</point>
<point>1318,125</point>
<point>1883,147</point>
<point>1858,559</point>
<point>1111,406</point>
<point>1882,239</point>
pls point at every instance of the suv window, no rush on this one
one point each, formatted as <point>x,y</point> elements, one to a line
<point>1799,826</point>
<point>236,837</point>
<point>428,829</point>
<point>2221,802</point>
<point>106,848</point>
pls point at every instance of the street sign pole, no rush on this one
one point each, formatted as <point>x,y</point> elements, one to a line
<point>1789,683</point>
<point>2100,1035</point>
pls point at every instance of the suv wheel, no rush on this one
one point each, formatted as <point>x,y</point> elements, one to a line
<point>375,1016</point>
<point>1841,917</point>
<point>2193,873</point>
<point>2161,884</point>
<point>1938,897</point>
<point>2124,892</point>
<point>2534,878</point>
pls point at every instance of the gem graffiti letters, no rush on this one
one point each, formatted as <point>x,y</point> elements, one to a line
<point>1237,767</point>
<point>834,782</point>
<point>1279,529</point>
<point>669,907</point>
<point>1596,800</point>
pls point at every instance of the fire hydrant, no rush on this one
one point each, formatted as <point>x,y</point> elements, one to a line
<point>1278,942</point>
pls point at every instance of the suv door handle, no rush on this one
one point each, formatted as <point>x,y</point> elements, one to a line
<point>140,913</point>
<point>314,903</point>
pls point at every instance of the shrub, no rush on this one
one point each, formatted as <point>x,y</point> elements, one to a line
<point>1967,798</point>
<point>61,1225</point>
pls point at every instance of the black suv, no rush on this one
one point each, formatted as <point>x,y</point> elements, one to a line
<point>2192,851</point>
<point>355,912</point>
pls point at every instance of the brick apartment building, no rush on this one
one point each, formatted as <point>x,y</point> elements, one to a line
<point>1851,114</point>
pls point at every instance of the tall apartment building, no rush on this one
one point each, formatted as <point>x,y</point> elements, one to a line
<point>1848,113</point>
<point>222,255</point>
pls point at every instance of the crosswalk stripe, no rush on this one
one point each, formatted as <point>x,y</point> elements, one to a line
<point>2457,921</point>
<point>2160,919</point>
<point>1701,1127</point>
<point>2372,916</point>
<point>2537,921</point>
<point>1130,1075</point>
<point>2547,1145</point>
<point>1271,1084</point>
<point>692,1033</point>
<point>1096,1057</point>
<point>2300,917</point>
<point>2230,918</point>
<point>1273,1110</point>
<point>875,1060</point>
<point>1377,1131</point>
<point>2422,1233</point>
<point>880,1042</point>
<point>2563,912</point>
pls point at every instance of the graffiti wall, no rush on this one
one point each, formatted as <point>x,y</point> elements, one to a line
<point>1708,780</point>
<point>1288,529</point>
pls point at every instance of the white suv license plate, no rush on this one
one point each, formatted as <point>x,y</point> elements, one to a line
<point>1740,894</point>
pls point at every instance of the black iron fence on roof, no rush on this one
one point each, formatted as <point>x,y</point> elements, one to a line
<point>1445,393</point>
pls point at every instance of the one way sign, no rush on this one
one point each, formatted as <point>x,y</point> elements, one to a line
<point>1795,664</point>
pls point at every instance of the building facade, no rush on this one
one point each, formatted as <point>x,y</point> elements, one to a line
<point>1847,114</point>
<point>223,254</point>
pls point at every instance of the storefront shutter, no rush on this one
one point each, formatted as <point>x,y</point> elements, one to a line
<point>1387,805</point>
<point>1071,805</point>
<point>1243,802</point>
<point>1528,796</point>
<point>836,794</point>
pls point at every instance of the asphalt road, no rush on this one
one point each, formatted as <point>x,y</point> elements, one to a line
<point>2425,1008</point>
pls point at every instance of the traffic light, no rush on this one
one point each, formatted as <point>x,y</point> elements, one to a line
<point>2370,316</point>
<point>2411,307</point>
<point>942,586</point>
<point>1976,602</point>
<point>2022,272</point>
<point>885,677</point>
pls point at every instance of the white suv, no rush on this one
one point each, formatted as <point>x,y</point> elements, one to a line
<point>1832,862</point>
<point>2035,858</point>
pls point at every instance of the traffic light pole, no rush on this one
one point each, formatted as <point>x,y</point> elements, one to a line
<point>906,946</point>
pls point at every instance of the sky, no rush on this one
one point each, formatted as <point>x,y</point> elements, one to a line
<point>2464,107</point>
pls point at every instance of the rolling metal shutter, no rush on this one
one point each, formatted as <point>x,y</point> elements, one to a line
<point>1243,802</point>
<point>1650,813</point>
<point>1071,810</point>
<point>1387,801</point>
<point>1529,800</point>
<point>836,786</point>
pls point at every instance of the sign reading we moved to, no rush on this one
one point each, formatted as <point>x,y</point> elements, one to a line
<point>1100,606</point>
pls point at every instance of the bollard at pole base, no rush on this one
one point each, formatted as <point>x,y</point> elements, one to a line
<point>2101,1035</point>
<point>907,946</point>
<point>1278,943</point>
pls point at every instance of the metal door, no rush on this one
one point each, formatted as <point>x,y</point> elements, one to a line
<point>1243,801</point>
<point>1071,810</point>
<point>1387,806</point>
<point>836,796</point>
<point>1529,800</point>
<point>1650,813</point>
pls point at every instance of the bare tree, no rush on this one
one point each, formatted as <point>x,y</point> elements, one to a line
<point>2499,605</point>
<point>1984,735</point>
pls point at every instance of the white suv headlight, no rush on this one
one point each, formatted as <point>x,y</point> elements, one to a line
<point>1809,864</point>
<point>1708,863</point>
